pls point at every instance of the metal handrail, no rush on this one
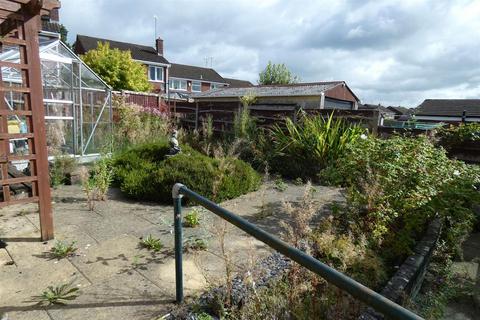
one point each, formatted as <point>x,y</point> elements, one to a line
<point>342,281</point>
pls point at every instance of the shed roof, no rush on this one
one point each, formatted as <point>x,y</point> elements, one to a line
<point>298,89</point>
<point>379,107</point>
<point>138,51</point>
<point>449,107</point>
<point>194,73</point>
<point>399,110</point>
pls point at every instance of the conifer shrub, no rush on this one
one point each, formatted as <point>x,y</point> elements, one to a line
<point>144,172</point>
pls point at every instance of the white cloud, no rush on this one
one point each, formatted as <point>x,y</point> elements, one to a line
<point>393,52</point>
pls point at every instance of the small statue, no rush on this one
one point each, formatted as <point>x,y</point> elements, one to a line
<point>174,146</point>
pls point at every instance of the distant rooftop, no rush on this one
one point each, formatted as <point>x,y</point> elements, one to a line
<point>298,89</point>
<point>236,83</point>
<point>194,73</point>
<point>138,51</point>
<point>449,107</point>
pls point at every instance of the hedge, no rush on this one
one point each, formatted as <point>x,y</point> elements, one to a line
<point>145,173</point>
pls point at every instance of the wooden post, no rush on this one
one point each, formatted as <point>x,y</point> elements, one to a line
<point>34,82</point>
<point>196,116</point>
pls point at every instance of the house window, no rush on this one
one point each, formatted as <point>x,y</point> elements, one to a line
<point>196,86</point>
<point>155,73</point>
<point>177,84</point>
<point>213,86</point>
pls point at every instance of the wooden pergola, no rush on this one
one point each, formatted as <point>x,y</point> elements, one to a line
<point>19,27</point>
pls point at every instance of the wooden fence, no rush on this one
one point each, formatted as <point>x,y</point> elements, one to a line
<point>192,115</point>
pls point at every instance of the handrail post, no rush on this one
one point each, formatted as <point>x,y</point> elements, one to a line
<point>177,211</point>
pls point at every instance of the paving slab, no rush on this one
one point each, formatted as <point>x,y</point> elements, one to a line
<point>118,278</point>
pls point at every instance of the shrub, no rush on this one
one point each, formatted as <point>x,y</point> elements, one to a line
<point>454,135</point>
<point>396,186</point>
<point>143,172</point>
<point>61,169</point>
<point>137,124</point>
<point>117,68</point>
<point>302,149</point>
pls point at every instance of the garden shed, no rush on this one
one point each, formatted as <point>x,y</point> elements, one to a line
<point>78,105</point>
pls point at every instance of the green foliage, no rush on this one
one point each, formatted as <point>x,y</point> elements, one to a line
<point>203,316</point>
<point>280,185</point>
<point>195,245</point>
<point>302,149</point>
<point>61,169</point>
<point>396,186</point>
<point>64,35</point>
<point>454,135</point>
<point>63,249</point>
<point>117,68</point>
<point>143,172</point>
<point>102,176</point>
<point>192,219</point>
<point>151,243</point>
<point>276,74</point>
<point>59,294</point>
<point>244,125</point>
<point>137,125</point>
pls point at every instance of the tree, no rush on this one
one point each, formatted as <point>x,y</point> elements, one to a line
<point>276,74</point>
<point>117,68</point>
<point>64,34</point>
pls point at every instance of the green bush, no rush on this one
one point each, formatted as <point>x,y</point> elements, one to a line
<point>302,149</point>
<point>454,135</point>
<point>144,172</point>
<point>396,186</point>
<point>61,169</point>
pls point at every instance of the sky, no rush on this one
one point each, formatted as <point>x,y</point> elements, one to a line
<point>388,52</point>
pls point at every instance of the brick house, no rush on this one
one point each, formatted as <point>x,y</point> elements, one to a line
<point>178,80</point>
<point>157,65</point>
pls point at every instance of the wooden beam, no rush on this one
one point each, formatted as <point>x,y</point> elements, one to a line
<point>34,82</point>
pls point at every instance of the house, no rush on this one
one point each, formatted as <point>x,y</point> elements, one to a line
<point>235,83</point>
<point>449,110</point>
<point>316,95</point>
<point>400,111</point>
<point>385,112</point>
<point>192,79</point>
<point>157,64</point>
<point>175,81</point>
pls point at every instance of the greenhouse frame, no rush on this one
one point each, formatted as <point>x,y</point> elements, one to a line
<point>78,103</point>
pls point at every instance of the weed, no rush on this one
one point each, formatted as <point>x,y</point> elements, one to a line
<point>280,185</point>
<point>63,249</point>
<point>59,294</point>
<point>151,243</point>
<point>298,181</point>
<point>195,245</point>
<point>192,219</point>
<point>204,316</point>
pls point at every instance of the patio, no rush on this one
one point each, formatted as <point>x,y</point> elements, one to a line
<point>117,278</point>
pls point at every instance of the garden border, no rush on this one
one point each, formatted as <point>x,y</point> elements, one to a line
<point>407,281</point>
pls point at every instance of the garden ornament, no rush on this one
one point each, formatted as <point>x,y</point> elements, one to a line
<point>174,146</point>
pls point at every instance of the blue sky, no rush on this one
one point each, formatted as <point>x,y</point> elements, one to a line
<point>389,52</point>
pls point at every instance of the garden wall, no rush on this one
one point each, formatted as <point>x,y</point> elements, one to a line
<point>468,151</point>
<point>407,281</point>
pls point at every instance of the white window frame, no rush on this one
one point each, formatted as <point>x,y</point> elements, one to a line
<point>157,69</point>
<point>199,83</point>
<point>179,81</point>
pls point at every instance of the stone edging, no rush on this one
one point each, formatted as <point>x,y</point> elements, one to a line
<point>407,281</point>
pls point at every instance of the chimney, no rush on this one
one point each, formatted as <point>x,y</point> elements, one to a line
<point>159,46</point>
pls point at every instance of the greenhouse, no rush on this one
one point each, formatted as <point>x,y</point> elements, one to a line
<point>78,104</point>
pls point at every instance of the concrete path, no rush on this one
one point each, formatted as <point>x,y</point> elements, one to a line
<point>117,278</point>
<point>467,308</point>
